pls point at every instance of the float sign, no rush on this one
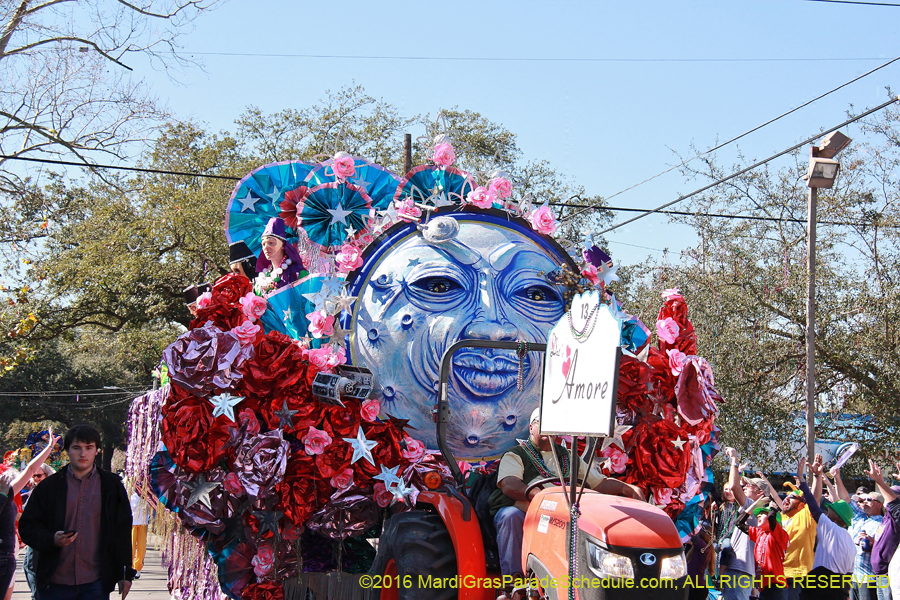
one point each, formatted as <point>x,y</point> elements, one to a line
<point>581,370</point>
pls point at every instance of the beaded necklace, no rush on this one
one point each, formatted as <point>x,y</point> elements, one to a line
<point>535,455</point>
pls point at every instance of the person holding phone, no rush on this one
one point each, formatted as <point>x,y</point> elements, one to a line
<point>79,522</point>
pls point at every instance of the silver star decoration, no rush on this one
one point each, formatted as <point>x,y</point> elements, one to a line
<point>339,214</point>
<point>607,464</point>
<point>362,448</point>
<point>248,201</point>
<point>361,183</point>
<point>339,336</point>
<point>318,299</point>
<point>224,404</point>
<point>350,231</point>
<point>288,315</point>
<point>390,212</point>
<point>285,416</point>
<point>608,274</point>
<point>332,285</point>
<point>200,490</point>
<point>268,521</point>
<point>401,491</point>
<point>343,302</point>
<point>274,194</point>
<point>388,476</point>
<point>615,438</point>
<point>679,443</point>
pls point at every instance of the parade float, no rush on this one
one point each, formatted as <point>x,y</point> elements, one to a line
<point>296,413</point>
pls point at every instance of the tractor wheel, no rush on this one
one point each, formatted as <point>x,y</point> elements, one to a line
<point>414,544</point>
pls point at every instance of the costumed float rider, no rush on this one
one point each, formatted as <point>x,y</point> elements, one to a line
<point>279,264</point>
<point>522,465</point>
<point>192,293</point>
<point>241,260</point>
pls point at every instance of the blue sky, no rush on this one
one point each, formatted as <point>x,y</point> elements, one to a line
<point>606,124</point>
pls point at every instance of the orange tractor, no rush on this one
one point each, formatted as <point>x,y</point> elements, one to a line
<point>623,548</point>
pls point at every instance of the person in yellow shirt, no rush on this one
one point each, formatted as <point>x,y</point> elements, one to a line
<point>801,530</point>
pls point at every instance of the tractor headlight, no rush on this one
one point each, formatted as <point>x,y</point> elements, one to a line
<point>609,564</point>
<point>673,567</point>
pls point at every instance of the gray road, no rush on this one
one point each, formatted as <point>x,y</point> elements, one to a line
<point>151,585</point>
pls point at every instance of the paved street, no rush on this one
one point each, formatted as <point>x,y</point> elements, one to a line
<point>151,585</point>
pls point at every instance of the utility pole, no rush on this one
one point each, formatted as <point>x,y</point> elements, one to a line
<point>811,326</point>
<point>407,153</point>
<point>823,170</point>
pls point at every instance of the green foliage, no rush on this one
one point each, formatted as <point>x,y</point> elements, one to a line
<point>745,284</point>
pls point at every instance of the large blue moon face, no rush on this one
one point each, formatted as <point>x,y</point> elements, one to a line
<point>416,298</point>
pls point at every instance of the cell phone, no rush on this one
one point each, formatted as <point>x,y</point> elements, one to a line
<point>69,532</point>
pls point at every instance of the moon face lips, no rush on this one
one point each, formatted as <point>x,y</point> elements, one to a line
<point>486,374</point>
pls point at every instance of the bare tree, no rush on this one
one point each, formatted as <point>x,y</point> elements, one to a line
<point>71,90</point>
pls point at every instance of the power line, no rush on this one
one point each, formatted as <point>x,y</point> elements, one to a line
<point>719,216</point>
<point>856,2</point>
<point>757,128</point>
<point>121,168</point>
<point>736,173</point>
<point>581,59</point>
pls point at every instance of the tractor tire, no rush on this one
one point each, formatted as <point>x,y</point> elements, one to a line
<point>414,544</point>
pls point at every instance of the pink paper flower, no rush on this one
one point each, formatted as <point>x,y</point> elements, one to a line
<point>253,306</point>
<point>415,449</point>
<point>383,497</point>
<point>342,480</point>
<point>618,459</point>
<point>500,187</point>
<point>246,332</point>
<point>543,220</point>
<point>315,441</point>
<point>668,330</point>
<point>408,211</point>
<point>671,294</point>
<point>320,323</point>
<point>676,361</point>
<point>589,272</point>
<point>662,496</point>
<point>349,258</point>
<point>204,299</point>
<point>232,484</point>
<point>443,155</point>
<point>323,359</point>
<point>343,165</point>
<point>480,197</point>
<point>263,561</point>
<point>370,409</point>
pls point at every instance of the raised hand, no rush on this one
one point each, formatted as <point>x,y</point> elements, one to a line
<point>801,469</point>
<point>874,472</point>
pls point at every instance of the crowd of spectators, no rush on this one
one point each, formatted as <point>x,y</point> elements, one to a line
<point>813,540</point>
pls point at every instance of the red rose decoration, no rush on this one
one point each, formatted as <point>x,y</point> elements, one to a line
<point>657,461</point>
<point>334,460</point>
<point>192,436</point>
<point>634,378</point>
<point>277,363</point>
<point>676,309</point>
<point>267,590</point>
<point>302,491</point>
<point>661,376</point>
<point>341,422</point>
<point>230,288</point>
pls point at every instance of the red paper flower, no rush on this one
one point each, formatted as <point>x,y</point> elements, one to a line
<point>676,309</point>
<point>267,590</point>
<point>192,436</point>
<point>657,460</point>
<point>634,377</point>
<point>277,363</point>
